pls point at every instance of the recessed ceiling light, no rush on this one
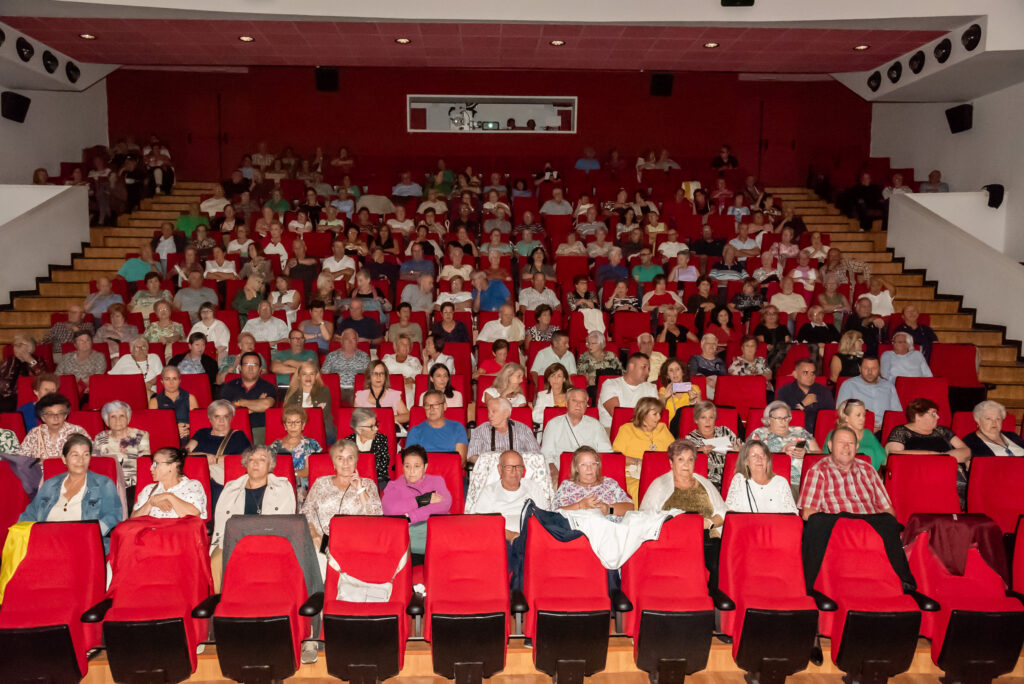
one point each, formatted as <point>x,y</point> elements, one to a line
<point>712,45</point>
<point>87,36</point>
<point>861,48</point>
<point>246,39</point>
<point>402,41</point>
<point>557,43</point>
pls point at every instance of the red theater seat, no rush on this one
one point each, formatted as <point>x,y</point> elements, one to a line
<point>936,389</point>
<point>101,465</point>
<point>89,420</point>
<point>13,500</point>
<point>994,488</point>
<point>67,386</point>
<point>448,465</point>
<point>655,464</point>
<point>743,392</point>
<point>613,465</point>
<point>921,483</point>
<point>161,425</point>
<point>130,389</point>
<point>15,422</point>
<point>196,468</point>
<point>196,384</point>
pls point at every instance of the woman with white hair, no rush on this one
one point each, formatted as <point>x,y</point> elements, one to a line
<point>508,384</point>
<point>707,363</point>
<point>755,488</point>
<point>139,362</point>
<point>903,360</point>
<point>122,442</point>
<point>781,437</point>
<point>344,493</point>
<point>990,439</point>
<point>597,360</point>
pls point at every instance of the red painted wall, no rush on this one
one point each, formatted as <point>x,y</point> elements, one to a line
<point>802,123</point>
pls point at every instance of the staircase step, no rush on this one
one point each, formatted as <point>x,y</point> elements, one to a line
<point>109,251</point>
<point>19,319</point>
<point>144,233</point>
<point>80,290</point>
<point>170,204</point>
<point>48,304</point>
<point>1006,393</point>
<point>70,276</point>
<point>936,306</point>
<point>1002,353</point>
<point>110,265</point>
<point>151,224</point>
<point>869,257</point>
<point>1001,374</point>
<point>954,321</point>
<point>979,337</point>
<point>155,214</point>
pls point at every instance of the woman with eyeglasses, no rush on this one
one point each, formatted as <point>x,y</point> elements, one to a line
<point>755,488</point>
<point>588,488</point>
<point>172,494</point>
<point>296,444</point>
<point>922,434</point>
<point>368,439</point>
<point>46,440</point>
<point>990,439</point>
<point>781,437</point>
<point>379,394</point>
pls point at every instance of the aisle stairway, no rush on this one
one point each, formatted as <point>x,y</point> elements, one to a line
<point>1000,365</point>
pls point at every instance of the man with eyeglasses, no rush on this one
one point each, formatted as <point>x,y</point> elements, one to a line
<point>252,392</point>
<point>509,493</point>
<point>437,433</point>
<point>571,431</point>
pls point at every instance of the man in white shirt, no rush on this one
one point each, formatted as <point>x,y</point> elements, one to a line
<point>276,246</point>
<point>557,205</point>
<point>220,267</point>
<point>339,265</point>
<point>881,296</point>
<point>532,297</point>
<point>558,352</point>
<point>745,245</point>
<point>214,205</point>
<point>508,495</point>
<point>406,187</point>
<point>507,327</point>
<point>671,248</point>
<point>571,431</point>
<point>166,243</point>
<point>405,364</point>
<point>627,390</point>
<point>645,343</point>
<point>456,267</point>
<point>267,327</point>
<point>432,202</point>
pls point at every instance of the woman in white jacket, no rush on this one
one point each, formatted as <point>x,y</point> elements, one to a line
<point>681,489</point>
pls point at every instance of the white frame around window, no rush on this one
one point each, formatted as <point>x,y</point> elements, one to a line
<point>555,102</point>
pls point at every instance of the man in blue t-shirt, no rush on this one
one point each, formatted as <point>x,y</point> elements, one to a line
<point>488,295</point>
<point>437,433</point>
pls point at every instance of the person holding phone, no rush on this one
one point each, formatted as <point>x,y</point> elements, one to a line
<point>781,437</point>
<point>417,496</point>
<point>674,387</point>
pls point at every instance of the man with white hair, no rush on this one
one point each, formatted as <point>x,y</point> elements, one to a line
<point>557,205</point>
<point>645,343</point>
<point>500,432</point>
<point>572,430</point>
<point>539,293</point>
<point>420,295</point>
<point>99,301</point>
<point>509,494</point>
<point>267,327</point>
<point>903,360</point>
<point>627,390</point>
<point>507,327</point>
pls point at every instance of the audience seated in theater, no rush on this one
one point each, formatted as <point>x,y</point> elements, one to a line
<point>990,439</point>
<point>144,300</point>
<point>347,362</point>
<point>581,297</point>
<point>644,433</point>
<point>645,271</point>
<point>500,221</point>
<point>219,439</point>
<point>285,362</point>
<point>816,330</point>
<point>588,488</point>
<point>506,327</point>
<point>194,295</point>
<point>745,246</point>
<point>600,247</point>
<point>877,393</point>
<point>456,267</point>
<point>557,205</point>
<point>755,488</point>
<point>508,384</point>
<point>219,267</point>
<point>266,327</point>
<point>748,362</point>
<point>700,205</point>
<point>923,336</point>
<point>369,440</point>
<point>420,295</point>
<point>331,221</point>
<point>344,493</point>
<point>834,302</point>
<point>816,250</point>
<point>671,247</point>
<point>645,344</point>
<point>554,394</point>
<point>43,384</point>
<point>284,298</point>
<point>711,439</point>
<point>675,390</point>
<point>633,244</point>
<point>439,378</point>
<point>232,363</point>
<point>125,444</point>
<point>438,433</point>
<point>193,258</point>
<point>296,445</point>
<point>526,242</point>
<point>491,366</point>
<point>139,361</point>
<point>922,434</point>
<point>416,266</point>
<point>406,187</point>
<point>844,271</point>
<point>46,439</point>
<point>707,364</point>
<point>227,223</point>
<point>702,299</point>
<point>589,223</point>
<point>401,362</point>
<point>247,205</point>
<point>934,183</point>
<point>846,361</point>
<point>339,266</point>
<point>508,495</point>
<point>597,360</point>
<point>267,216</point>
<point>573,429</point>
<point>558,352</point>
<point>214,330</point>
<point>738,208</point>
<point>903,360</point>
<point>769,271</point>
<point>881,295</point>
<point>628,390</point>
<point>306,389</point>
<point>366,329</point>
<point>424,237</point>
<point>728,268</point>
<point>172,494</point>
<point>501,431</point>
<point>252,392</point>
<point>852,414</point>
<point>78,494</point>
<point>804,273</point>
<point>725,160</point>
<point>781,437</point>
<point>683,489</point>
<point>787,301</point>
<point>159,168</point>
<point>621,300</point>
<point>275,246</point>
<point>277,204</point>
<point>719,324</point>
<point>214,205</point>
<point>174,398</point>
<point>196,361</point>
<point>372,298</point>
<point>98,302</point>
<point>301,266</point>
<point>23,362</point>
<point>457,296</point>
<point>804,394</point>
<point>872,328</point>
<point>748,300</point>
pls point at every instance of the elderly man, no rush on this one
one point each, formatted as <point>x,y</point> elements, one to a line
<point>339,266</point>
<point>266,327</point>
<point>285,362</point>
<point>923,336</point>
<point>437,433</point>
<point>276,245</point>
<point>671,247</point>
<point>627,390</point>
<point>499,222</point>
<point>64,331</point>
<point>500,432</point>
<point>416,266</point>
<point>934,183</point>
<point>99,301</point>
<point>212,206</point>
<point>507,327</point>
<point>252,392</point>
<point>489,295</point>
<point>645,344</point>
<point>805,394</point>
<point>367,329</point>
<point>406,188</point>
<point>558,352</point>
<point>613,271</point>
<point>872,328</point>
<point>572,430</point>
<point>903,360</point>
<point>590,223</point>
<point>219,267</point>
<point>528,224</point>
<point>432,202</point>
<point>347,362</point>
<point>842,486</point>
<point>420,295</point>
<point>456,267</point>
<point>232,363</point>
<point>508,495</point>
<point>532,297</point>
<point>816,330</point>
<point>557,205</point>
<point>190,298</point>
<point>878,394</point>
<point>401,362</point>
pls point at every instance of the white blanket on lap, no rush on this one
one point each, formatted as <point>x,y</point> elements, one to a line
<point>615,542</point>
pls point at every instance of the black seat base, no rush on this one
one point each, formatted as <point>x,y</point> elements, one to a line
<point>877,646</point>
<point>666,639</point>
<point>147,652</point>
<point>980,646</point>
<point>776,643</point>
<point>468,640</point>
<point>38,655</point>
<point>567,643</point>
<point>361,647</point>
<point>255,650</point>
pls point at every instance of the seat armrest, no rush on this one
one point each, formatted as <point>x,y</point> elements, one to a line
<point>722,601</point>
<point>205,609</point>
<point>415,607</point>
<point>824,602</point>
<point>518,602</point>
<point>313,605</point>
<point>96,613</point>
<point>1015,594</point>
<point>620,602</point>
<point>925,603</point>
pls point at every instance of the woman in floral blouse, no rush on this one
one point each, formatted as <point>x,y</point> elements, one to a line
<point>164,329</point>
<point>124,443</point>
<point>587,488</point>
<point>46,440</point>
<point>296,444</point>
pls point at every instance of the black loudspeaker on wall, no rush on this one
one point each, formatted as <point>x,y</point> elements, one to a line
<point>995,194</point>
<point>960,118</point>
<point>327,79</point>
<point>661,85</point>
<point>14,106</point>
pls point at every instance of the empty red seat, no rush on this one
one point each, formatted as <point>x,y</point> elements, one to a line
<point>15,422</point>
<point>921,483</point>
<point>131,389</point>
<point>627,325</point>
<point>466,611</point>
<point>89,420</point>
<point>672,616</point>
<point>743,392</point>
<point>994,488</point>
<point>161,425</point>
<point>42,636</point>
<point>957,363</point>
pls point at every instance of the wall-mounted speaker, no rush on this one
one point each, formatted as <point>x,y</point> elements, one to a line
<point>960,118</point>
<point>737,3</point>
<point>661,85</point>
<point>14,106</point>
<point>327,79</point>
<point>995,194</point>
<point>943,50</point>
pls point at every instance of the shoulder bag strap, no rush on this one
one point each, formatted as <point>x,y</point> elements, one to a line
<point>224,444</point>
<point>750,497</point>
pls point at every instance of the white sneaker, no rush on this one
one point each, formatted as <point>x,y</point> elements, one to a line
<point>309,652</point>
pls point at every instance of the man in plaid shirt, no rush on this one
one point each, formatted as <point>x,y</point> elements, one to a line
<point>841,486</point>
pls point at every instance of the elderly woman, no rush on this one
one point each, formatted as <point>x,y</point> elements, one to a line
<point>781,437</point>
<point>707,363</point>
<point>145,299</point>
<point>748,362</point>
<point>47,439</point>
<point>403,496</point>
<point>218,439</point>
<point>120,441</point>
<point>508,384</point>
<point>78,494</point>
<point>116,331</point>
<point>990,439</point>
<point>754,487</point>
<point>684,490</point>
<point>174,398</point>
<point>368,439</point>
<point>588,488</point>
<point>597,360</point>
<point>711,439</point>
<point>621,300</point>
<point>543,329</point>
<point>163,329</point>
<point>295,443</point>
<point>581,296</point>
<point>903,360</point>
<point>307,389</point>
<point>172,495</point>
<point>770,332</point>
<point>140,362</point>
<point>84,362</point>
<point>852,414</point>
<point>379,394</point>
<point>922,434</point>
<point>345,493</point>
<point>644,433</point>
<point>215,330</point>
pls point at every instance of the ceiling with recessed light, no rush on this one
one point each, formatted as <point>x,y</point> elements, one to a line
<point>182,42</point>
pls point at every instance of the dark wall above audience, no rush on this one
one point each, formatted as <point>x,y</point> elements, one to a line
<point>209,119</point>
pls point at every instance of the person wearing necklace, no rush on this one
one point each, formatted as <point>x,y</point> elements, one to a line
<point>379,394</point>
<point>174,398</point>
<point>990,439</point>
<point>139,362</point>
<point>345,493</point>
<point>296,444</point>
<point>755,488</point>
<point>78,494</point>
<point>258,492</point>
<point>368,438</point>
<point>125,444</point>
<point>644,433</point>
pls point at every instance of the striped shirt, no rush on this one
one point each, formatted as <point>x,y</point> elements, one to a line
<point>859,490</point>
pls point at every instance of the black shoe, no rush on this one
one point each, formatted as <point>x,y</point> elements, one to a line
<point>817,657</point>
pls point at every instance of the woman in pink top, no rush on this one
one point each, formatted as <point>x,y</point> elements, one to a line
<point>379,394</point>
<point>417,496</point>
